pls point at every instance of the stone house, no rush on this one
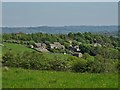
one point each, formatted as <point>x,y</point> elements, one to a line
<point>78,55</point>
<point>56,45</point>
<point>75,48</point>
<point>41,47</point>
<point>97,44</point>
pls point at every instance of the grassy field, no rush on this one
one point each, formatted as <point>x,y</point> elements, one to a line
<point>15,48</point>
<point>21,78</point>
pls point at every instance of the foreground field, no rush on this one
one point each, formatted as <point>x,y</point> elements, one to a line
<point>21,78</point>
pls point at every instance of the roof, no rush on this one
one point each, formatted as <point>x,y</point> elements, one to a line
<point>57,45</point>
<point>40,44</point>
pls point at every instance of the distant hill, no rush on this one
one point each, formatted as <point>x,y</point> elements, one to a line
<point>60,30</point>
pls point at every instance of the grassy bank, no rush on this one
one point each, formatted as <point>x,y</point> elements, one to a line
<point>21,78</point>
<point>15,48</point>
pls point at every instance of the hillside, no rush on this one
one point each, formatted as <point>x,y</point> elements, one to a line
<point>15,48</point>
<point>23,68</point>
<point>21,78</point>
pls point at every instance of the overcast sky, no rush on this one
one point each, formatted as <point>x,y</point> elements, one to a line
<point>59,13</point>
<point>60,0</point>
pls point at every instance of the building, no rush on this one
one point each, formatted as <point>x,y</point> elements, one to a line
<point>56,45</point>
<point>41,47</point>
<point>78,55</point>
<point>76,48</point>
<point>97,44</point>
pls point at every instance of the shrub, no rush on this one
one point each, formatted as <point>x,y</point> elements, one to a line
<point>39,61</point>
<point>8,59</point>
<point>87,57</point>
<point>80,66</point>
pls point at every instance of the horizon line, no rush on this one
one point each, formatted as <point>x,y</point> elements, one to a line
<point>55,26</point>
<point>60,1</point>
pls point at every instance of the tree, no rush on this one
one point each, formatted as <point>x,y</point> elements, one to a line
<point>71,35</point>
<point>66,44</point>
<point>87,57</point>
<point>80,66</point>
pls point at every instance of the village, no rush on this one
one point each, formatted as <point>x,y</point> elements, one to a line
<point>43,48</point>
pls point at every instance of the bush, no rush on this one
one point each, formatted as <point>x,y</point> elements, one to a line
<point>87,57</point>
<point>34,60</point>
<point>80,66</point>
<point>40,61</point>
<point>57,65</point>
<point>8,59</point>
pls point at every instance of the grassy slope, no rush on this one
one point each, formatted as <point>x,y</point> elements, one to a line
<point>48,79</point>
<point>22,78</point>
<point>15,48</point>
<point>0,52</point>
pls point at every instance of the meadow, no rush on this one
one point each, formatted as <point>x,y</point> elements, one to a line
<point>25,78</point>
<point>15,48</point>
<point>22,78</point>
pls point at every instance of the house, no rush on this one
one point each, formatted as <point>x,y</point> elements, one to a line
<point>31,46</point>
<point>76,48</point>
<point>56,45</point>
<point>78,55</point>
<point>41,47</point>
<point>75,51</point>
<point>97,44</point>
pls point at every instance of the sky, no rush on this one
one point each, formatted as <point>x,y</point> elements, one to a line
<point>60,0</point>
<point>0,14</point>
<point>59,13</point>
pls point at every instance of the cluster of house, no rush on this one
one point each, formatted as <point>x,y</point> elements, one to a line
<point>41,47</point>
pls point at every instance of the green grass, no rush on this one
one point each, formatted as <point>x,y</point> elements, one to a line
<point>0,52</point>
<point>21,78</point>
<point>18,48</point>
<point>56,55</point>
<point>15,48</point>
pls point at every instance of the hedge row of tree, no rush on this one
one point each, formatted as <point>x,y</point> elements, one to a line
<point>39,61</point>
<point>77,38</point>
